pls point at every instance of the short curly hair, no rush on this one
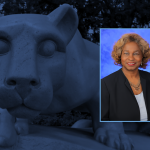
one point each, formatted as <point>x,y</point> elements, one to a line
<point>131,37</point>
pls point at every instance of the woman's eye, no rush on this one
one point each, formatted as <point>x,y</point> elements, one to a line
<point>4,47</point>
<point>136,53</point>
<point>47,48</point>
<point>126,53</point>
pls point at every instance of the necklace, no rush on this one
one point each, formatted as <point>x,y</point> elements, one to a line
<point>135,86</point>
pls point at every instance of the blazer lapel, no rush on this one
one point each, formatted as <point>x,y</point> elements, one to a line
<point>128,86</point>
<point>143,83</point>
<point>126,82</point>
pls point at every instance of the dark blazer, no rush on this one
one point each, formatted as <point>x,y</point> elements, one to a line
<point>118,102</point>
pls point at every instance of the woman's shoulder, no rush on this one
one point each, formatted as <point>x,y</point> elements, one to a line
<point>112,76</point>
<point>145,74</point>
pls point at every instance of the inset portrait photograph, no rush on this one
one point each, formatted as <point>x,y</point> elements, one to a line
<point>124,73</point>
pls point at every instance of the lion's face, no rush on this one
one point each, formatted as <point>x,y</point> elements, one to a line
<point>32,62</point>
<point>30,70</point>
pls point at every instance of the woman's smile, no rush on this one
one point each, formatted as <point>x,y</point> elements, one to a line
<point>131,64</point>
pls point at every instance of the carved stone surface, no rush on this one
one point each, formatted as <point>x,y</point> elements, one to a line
<point>59,138</point>
<point>47,67</point>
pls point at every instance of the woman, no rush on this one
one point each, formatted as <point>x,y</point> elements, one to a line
<point>125,94</point>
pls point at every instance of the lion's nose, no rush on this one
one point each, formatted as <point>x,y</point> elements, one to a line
<point>22,82</point>
<point>23,86</point>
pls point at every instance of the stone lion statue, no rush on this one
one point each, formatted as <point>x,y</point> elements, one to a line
<point>47,67</point>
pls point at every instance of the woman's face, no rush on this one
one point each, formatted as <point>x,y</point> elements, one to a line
<point>131,56</point>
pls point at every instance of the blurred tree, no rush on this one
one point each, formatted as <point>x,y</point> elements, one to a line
<point>125,13</point>
<point>92,13</point>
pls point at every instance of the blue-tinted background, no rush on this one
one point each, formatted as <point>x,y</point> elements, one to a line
<point>108,37</point>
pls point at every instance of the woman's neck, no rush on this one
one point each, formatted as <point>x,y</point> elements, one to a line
<point>131,74</point>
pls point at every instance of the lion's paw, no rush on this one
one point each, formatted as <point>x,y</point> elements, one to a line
<point>8,135</point>
<point>22,126</point>
<point>113,139</point>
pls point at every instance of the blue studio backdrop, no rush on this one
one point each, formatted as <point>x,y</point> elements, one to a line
<point>108,37</point>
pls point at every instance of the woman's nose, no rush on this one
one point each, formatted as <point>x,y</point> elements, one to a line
<point>131,57</point>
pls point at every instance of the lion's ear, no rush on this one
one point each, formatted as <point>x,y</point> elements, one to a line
<point>66,21</point>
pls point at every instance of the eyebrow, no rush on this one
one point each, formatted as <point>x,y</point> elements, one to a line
<point>134,51</point>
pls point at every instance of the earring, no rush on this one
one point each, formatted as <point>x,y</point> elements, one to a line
<point>141,63</point>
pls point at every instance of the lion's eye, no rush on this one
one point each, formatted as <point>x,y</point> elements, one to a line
<point>47,48</point>
<point>4,47</point>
